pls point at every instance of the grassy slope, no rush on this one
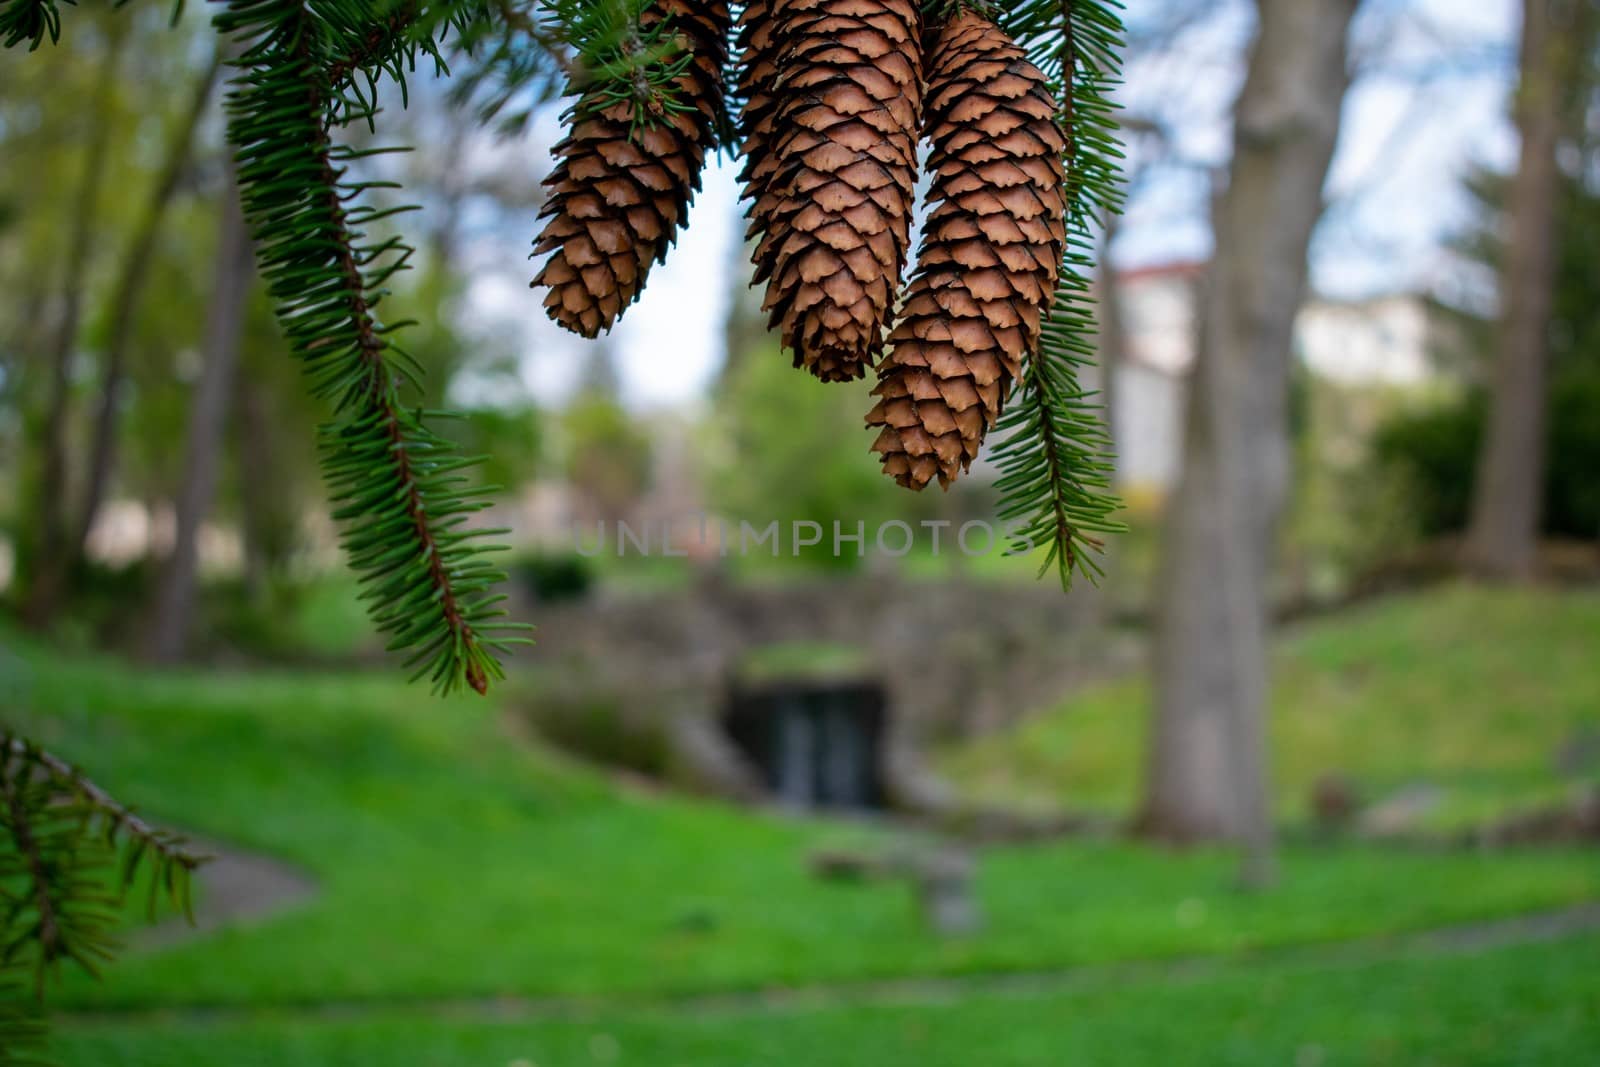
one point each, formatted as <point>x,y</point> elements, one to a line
<point>1469,689</point>
<point>1537,1004</point>
<point>456,863</point>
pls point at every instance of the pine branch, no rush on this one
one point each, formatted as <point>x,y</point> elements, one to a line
<point>622,57</point>
<point>22,1031</point>
<point>118,826</point>
<point>513,62</point>
<point>31,21</point>
<point>1054,454</point>
<point>398,490</point>
<point>62,834</point>
<point>35,20</point>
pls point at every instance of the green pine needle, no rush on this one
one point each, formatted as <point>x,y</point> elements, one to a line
<point>1054,453</point>
<point>69,854</point>
<point>32,21</point>
<point>398,490</point>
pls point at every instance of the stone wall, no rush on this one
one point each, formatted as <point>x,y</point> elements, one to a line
<point>955,659</point>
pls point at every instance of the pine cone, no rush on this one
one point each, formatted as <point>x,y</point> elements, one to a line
<point>990,256</point>
<point>758,47</point>
<point>619,195</point>
<point>834,91</point>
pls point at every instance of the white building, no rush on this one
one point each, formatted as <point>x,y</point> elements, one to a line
<point>1385,340</point>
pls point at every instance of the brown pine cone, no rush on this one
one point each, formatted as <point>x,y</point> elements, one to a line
<point>758,48</point>
<point>990,256</point>
<point>834,91</point>
<point>620,192</point>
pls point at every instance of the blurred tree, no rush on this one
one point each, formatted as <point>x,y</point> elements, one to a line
<point>231,274</point>
<point>274,465</point>
<point>1556,70</point>
<point>132,278</point>
<point>44,127</point>
<point>1434,450</point>
<point>787,447</point>
<point>1207,759</point>
<point>608,454</point>
<point>43,550</point>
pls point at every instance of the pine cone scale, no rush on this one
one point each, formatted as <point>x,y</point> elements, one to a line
<point>833,91</point>
<point>626,186</point>
<point>991,252</point>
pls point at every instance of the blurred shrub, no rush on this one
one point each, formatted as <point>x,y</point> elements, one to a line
<point>1572,500</point>
<point>609,455</point>
<point>1435,451</point>
<point>553,578</point>
<point>789,447</point>
<point>108,601</point>
<point>597,725</point>
<point>285,619</point>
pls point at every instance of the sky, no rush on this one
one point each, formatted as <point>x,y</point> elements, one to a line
<point>1429,104</point>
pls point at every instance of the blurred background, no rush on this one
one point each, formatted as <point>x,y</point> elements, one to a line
<point>1311,776</point>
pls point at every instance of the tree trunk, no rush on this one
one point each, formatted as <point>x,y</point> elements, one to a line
<point>1503,537</point>
<point>1113,346</point>
<point>124,304</point>
<point>1207,758</point>
<point>47,553</point>
<point>203,448</point>
<point>263,509</point>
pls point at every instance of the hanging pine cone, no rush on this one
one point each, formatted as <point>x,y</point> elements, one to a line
<point>758,47</point>
<point>622,189</point>
<point>990,255</point>
<point>834,91</point>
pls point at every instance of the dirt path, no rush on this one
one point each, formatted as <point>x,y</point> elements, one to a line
<point>1466,939</point>
<point>233,886</point>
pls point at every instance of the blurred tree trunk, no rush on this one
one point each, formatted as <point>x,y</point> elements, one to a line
<point>1111,349</point>
<point>1113,346</point>
<point>125,298</point>
<point>225,319</point>
<point>264,499</point>
<point>1503,537</point>
<point>46,555</point>
<point>1207,759</point>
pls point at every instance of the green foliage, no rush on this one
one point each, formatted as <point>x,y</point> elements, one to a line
<point>1533,1004</point>
<point>510,62</point>
<point>1572,472</point>
<point>608,455</point>
<point>786,448</point>
<point>69,853</point>
<point>1574,328</point>
<point>34,20</point>
<point>23,1032</point>
<point>1472,690</point>
<point>619,62</point>
<point>554,578</point>
<point>1434,451</point>
<point>430,837</point>
<point>1053,452</point>
<point>397,487</point>
<point>29,21</point>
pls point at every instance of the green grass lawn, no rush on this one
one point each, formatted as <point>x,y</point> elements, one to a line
<point>457,861</point>
<point>1531,1005</point>
<point>1470,690</point>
